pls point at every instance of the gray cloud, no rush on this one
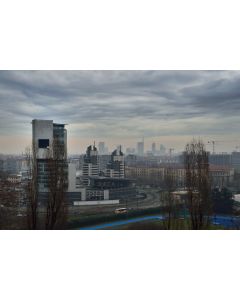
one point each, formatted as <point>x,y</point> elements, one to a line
<point>122,103</point>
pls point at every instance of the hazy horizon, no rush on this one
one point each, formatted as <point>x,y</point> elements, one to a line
<point>120,107</point>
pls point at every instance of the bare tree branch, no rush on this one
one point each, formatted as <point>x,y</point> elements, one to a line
<point>197,184</point>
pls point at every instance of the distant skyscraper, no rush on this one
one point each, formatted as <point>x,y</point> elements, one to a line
<point>91,164</point>
<point>116,166</point>
<point>153,148</point>
<point>106,150</point>
<point>140,148</point>
<point>162,150</point>
<point>101,148</point>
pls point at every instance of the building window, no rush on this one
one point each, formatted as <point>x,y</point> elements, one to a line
<point>43,143</point>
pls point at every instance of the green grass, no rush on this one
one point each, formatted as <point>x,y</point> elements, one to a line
<point>161,225</point>
<point>75,222</point>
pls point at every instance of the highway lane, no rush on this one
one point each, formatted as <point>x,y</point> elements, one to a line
<point>151,200</point>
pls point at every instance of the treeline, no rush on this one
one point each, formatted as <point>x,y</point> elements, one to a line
<point>197,203</point>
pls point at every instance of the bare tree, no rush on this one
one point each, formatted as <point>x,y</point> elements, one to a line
<point>56,206</point>
<point>9,199</point>
<point>197,184</point>
<point>31,188</point>
<point>171,205</point>
<point>53,207</point>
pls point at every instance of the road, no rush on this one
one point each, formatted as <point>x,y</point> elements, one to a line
<point>151,200</point>
<point>227,221</point>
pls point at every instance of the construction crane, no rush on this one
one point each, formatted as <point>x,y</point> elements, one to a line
<point>213,145</point>
<point>214,142</point>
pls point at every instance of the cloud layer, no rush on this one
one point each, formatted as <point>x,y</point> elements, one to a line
<point>122,104</point>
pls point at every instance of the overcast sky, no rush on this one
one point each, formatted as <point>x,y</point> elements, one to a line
<point>120,107</point>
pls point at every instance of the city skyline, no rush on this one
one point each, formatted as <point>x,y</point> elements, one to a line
<point>120,107</point>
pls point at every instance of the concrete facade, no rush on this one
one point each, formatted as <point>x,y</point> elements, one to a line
<point>116,166</point>
<point>49,142</point>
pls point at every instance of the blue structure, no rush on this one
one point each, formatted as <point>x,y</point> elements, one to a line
<point>227,222</point>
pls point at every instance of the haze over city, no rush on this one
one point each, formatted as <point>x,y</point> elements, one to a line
<point>120,107</point>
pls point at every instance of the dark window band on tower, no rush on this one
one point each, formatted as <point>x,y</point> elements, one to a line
<point>43,143</point>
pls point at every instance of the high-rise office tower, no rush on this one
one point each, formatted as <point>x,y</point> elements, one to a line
<point>140,148</point>
<point>101,148</point>
<point>50,144</point>
<point>116,166</point>
<point>90,164</point>
<point>153,148</point>
<point>162,149</point>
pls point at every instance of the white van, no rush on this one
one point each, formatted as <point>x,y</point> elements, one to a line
<point>121,210</point>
